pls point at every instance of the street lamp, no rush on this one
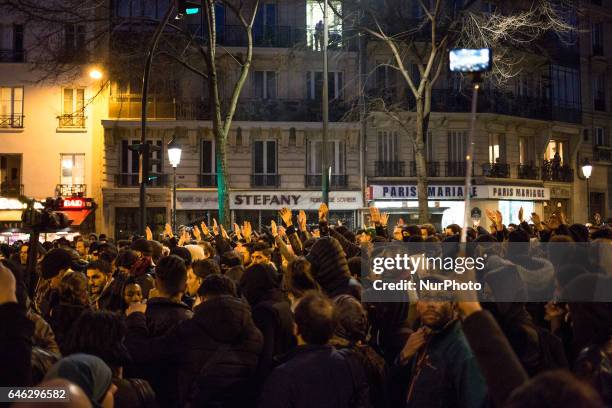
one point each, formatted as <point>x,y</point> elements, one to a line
<point>587,169</point>
<point>95,73</point>
<point>174,156</point>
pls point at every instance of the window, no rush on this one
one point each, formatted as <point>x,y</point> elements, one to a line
<point>314,15</point>
<point>74,39</point>
<point>315,85</point>
<point>11,43</point>
<point>72,169</point>
<point>600,137</point>
<point>388,147</point>
<point>208,157</point>
<point>599,92</point>
<point>565,87</point>
<point>597,30</point>
<point>554,147</point>
<point>385,77</point>
<point>526,150</point>
<point>496,148</point>
<point>264,84</point>
<point>73,114</point>
<point>457,146</point>
<point>11,107</point>
<point>335,154</point>
<point>141,8</point>
<point>264,157</point>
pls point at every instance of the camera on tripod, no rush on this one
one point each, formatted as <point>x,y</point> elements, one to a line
<point>46,218</point>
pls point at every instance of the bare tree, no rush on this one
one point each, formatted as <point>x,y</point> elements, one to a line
<point>424,41</point>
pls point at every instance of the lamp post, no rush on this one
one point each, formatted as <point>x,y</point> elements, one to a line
<point>174,156</point>
<point>587,169</point>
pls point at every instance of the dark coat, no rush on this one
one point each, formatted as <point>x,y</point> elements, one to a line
<point>16,332</point>
<point>444,373</point>
<point>163,314</point>
<point>215,353</point>
<point>62,319</point>
<point>311,376</point>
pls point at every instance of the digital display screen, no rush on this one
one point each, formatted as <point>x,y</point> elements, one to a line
<point>470,60</point>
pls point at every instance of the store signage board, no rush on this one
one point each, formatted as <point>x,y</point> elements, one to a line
<point>74,203</point>
<point>456,192</point>
<point>269,200</point>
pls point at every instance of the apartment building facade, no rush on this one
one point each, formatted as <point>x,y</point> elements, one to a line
<point>531,137</point>
<point>47,129</point>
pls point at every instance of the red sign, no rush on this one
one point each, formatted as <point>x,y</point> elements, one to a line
<point>75,203</point>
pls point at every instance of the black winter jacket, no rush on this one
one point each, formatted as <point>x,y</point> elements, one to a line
<point>16,332</point>
<point>215,353</point>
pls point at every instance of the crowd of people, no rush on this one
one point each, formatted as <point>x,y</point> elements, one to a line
<point>214,318</point>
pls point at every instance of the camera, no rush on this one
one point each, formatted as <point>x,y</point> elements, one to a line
<point>45,218</point>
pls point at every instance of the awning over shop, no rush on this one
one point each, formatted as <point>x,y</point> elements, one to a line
<point>10,215</point>
<point>77,217</point>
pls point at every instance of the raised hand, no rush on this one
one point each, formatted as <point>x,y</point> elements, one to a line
<point>520,215</point>
<point>148,233</point>
<point>247,231</point>
<point>374,215</point>
<point>168,231</point>
<point>384,219</point>
<point>215,227</point>
<point>196,233</point>
<point>224,233</point>
<point>282,232</point>
<point>400,222</point>
<point>237,231</point>
<point>205,229</point>
<point>286,216</point>
<point>273,228</point>
<point>323,211</point>
<point>302,220</point>
<point>185,237</point>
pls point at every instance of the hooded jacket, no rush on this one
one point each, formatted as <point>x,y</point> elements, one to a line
<point>215,353</point>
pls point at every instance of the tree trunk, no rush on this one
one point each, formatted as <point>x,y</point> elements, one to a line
<point>421,162</point>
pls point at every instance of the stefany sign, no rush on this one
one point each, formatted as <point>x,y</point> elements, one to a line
<point>455,192</point>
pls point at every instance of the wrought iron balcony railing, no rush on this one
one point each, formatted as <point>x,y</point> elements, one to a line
<point>11,121</point>
<point>207,180</point>
<point>552,171</point>
<point>432,169</point>
<point>72,121</point>
<point>336,180</point>
<point>496,170</point>
<point>131,180</point>
<point>71,190</point>
<point>11,190</point>
<point>456,169</point>
<point>389,168</point>
<point>528,172</point>
<point>265,180</point>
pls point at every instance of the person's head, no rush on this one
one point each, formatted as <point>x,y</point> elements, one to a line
<point>433,308</point>
<point>75,397</point>
<point>315,319</point>
<point>428,230</point>
<point>55,263</point>
<point>142,247</point>
<point>298,279</point>
<point>99,333</point>
<point>258,281</point>
<point>81,247</point>
<point>171,276</point>
<point>244,252</point>
<point>208,249</point>
<point>196,252</point>
<point>23,254</point>
<point>398,233</point>
<point>229,259</point>
<point>99,273</point>
<point>20,284</point>
<point>132,292</point>
<point>90,373</point>
<point>261,253</point>
<point>453,229</point>
<point>556,388</point>
<point>182,253</point>
<point>199,271</point>
<point>73,288</point>
<point>352,319</point>
<point>364,237</point>
<point>125,260</point>
<point>214,286</point>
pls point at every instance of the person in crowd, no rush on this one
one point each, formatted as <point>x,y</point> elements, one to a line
<point>104,291</point>
<point>215,352</point>
<point>91,374</point>
<point>261,253</point>
<point>315,374</point>
<point>442,368</point>
<point>73,301</point>
<point>298,280</point>
<point>198,272</point>
<point>52,268</point>
<point>142,269</point>
<point>85,338</point>
<point>132,293</point>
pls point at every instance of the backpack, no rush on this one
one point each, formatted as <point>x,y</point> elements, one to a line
<point>361,392</point>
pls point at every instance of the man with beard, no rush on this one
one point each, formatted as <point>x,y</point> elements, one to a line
<point>102,291</point>
<point>443,370</point>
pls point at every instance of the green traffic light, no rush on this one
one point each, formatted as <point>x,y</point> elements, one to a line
<point>192,10</point>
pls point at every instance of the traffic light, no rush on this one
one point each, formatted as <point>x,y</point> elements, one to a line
<point>186,7</point>
<point>145,151</point>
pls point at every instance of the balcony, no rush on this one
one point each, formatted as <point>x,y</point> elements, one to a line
<point>11,121</point>
<point>72,121</point>
<point>12,56</point>
<point>71,190</point>
<point>552,171</point>
<point>496,170</point>
<point>456,169</point>
<point>131,180</point>
<point>274,110</point>
<point>389,169</point>
<point>336,180</point>
<point>129,106</point>
<point>433,169</point>
<point>207,180</point>
<point>528,172</point>
<point>265,180</point>
<point>11,190</point>
<point>602,153</point>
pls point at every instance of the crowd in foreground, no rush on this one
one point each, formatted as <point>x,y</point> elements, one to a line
<point>274,318</point>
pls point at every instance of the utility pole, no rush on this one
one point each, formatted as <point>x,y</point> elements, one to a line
<point>325,170</point>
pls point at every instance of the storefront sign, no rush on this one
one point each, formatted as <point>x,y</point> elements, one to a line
<point>446,192</point>
<point>409,192</point>
<point>269,200</point>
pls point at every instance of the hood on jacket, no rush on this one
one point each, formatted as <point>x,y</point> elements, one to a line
<point>329,264</point>
<point>258,282</point>
<point>224,318</point>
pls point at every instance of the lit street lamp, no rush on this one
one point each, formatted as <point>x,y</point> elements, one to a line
<point>587,169</point>
<point>174,156</point>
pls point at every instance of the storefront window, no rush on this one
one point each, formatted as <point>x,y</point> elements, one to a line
<point>126,221</point>
<point>510,210</point>
<point>195,217</point>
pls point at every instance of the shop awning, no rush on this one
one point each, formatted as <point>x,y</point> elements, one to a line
<point>77,217</point>
<point>10,215</point>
